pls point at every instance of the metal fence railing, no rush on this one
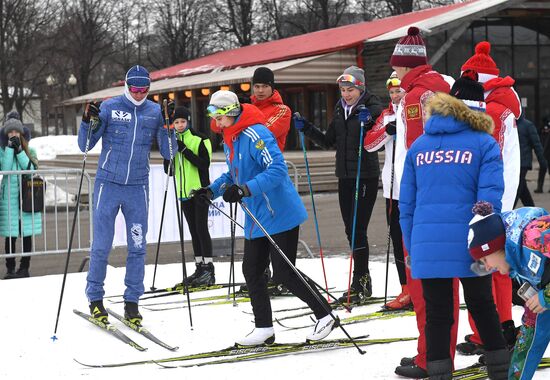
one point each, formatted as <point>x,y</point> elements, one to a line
<point>54,218</point>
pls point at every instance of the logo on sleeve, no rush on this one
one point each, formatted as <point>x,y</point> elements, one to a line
<point>260,144</point>
<point>413,111</point>
<point>534,263</point>
<point>125,117</point>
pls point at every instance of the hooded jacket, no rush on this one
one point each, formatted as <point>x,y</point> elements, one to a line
<point>454,164</point>
<point>127,132</point>
<point>419,84</point>
<point>277,116</point>
<point>504,107</point>
<point>256,161</point>
<point>344,133</point>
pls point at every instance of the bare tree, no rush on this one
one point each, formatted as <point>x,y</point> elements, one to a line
<point>238,20</point>
<point>23,40</point>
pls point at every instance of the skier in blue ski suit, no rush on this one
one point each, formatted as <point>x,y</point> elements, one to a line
<point>127,125</point>
<point>524,255</point>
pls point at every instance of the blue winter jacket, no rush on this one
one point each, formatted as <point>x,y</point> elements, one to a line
<point>447,170</point>
<point>259,164</point>
<point>127,133</point>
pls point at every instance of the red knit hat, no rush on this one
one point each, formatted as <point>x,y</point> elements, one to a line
<point>481,61</point>
<point>410,50</point>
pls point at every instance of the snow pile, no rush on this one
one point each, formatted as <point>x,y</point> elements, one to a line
<point>49,147</point>
<point>27,351</point>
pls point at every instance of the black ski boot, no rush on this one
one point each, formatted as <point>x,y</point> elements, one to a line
<point>98,311</point>
<point>498,362</point>
<point>267,275</point>
<point>411,371</point>
<point>131,312</point>
<point>361,289</point>
<point>510,333</point>
<point>10,274</point>
<point>22,273</point>
<point>440,369</point>
<point>469,348</point>
<point>407,360</point>
<point>204,275</point>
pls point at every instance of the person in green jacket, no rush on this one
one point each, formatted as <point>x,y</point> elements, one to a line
<point>191,166</point>
<point>14,222</point>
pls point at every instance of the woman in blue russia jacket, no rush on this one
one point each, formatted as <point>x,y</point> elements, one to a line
<point>447,170</point>
<point>127,125</point>
<point>258,178</point>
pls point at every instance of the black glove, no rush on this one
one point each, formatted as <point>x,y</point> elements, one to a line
<point>203,194</point>
<point>166,164</point>
<point>93,112</point>
<point>181,146</point>
<point>15,143</point>
<point>235,193</point>
<point>390,128</point>
<point>171,109</point>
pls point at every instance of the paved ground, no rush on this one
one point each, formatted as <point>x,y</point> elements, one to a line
<point>330,224</point>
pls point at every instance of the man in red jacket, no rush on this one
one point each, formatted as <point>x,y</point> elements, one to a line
<point>504,107</point>
<point>420,82</point>
<point>269,101</point>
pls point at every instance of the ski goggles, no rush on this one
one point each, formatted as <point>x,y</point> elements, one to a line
<point>138,90</point>
<point>393,82</point>
<point>213,111</point>
<point>349,78</point>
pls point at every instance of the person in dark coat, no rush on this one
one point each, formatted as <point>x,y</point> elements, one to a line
<point>357,106</point>
<point>545,140</point>
<point>528,141</point>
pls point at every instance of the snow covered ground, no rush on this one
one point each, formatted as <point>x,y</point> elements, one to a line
<point>49,147</point>
<point>30,306</point>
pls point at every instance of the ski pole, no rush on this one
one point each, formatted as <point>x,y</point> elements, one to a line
<point>357,177</point>
<point>313,205</point>
<point>180,222</point>
<point>316,284</point>
<point>93,124</point>
<point>232,265</point>
<point>390,209</point>
<point>297,272</point>
<point>329,294</point>
<point>170,169</point>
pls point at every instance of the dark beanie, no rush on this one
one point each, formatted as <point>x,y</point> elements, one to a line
<point>469,90</point>
<point>263,75</point>
<point>487,233</point>
<point>182,112</point>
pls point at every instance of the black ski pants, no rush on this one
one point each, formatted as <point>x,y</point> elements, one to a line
<point>366,197</point>
<point>10,248</point>
<point>438,294</point>
<point>257,253</point>
<point>523,191</point>
<point>196,214</point>
<point>392,218</point>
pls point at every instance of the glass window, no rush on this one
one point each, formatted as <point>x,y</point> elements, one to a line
<point>318,109</point>
<point>458,54</point>
<point>524,35</point>
<point>502,55</point>
<point>499,32</point>
<point>479,32</point>
<point>525,61</point>
<point>544,104</point>
<point>544,31</point>
<point>544,56</point>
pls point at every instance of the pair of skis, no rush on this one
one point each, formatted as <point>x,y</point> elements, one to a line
<point>239,354</point>
<point>115,332</point>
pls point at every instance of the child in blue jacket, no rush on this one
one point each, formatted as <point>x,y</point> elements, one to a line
<point>258,178</point>
<point>518,243</point>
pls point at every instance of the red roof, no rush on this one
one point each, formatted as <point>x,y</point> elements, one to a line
<point>323,41</point>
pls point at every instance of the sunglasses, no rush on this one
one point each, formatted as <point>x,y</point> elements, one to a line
<point>393,82</point>
<point>349,78</point>
<point>213,111</point>
<point>138,90</point>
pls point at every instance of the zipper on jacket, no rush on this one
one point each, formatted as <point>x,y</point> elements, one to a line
<point>132,149</point>
<point>145,197</point>
<point>99,196</point>
<point>106,157</point>
<point>268,204</point>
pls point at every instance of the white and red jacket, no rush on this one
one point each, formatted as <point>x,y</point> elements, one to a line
<point>376,138</point>
<point>504,107</point>
<point>419,84</point>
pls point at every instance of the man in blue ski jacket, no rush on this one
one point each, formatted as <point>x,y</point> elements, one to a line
<point>127,125</point>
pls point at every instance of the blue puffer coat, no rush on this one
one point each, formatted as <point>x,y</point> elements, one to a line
<point>127,133</point>
<point>447,170</point>
<point>259,163</point>
<point>10,210</point>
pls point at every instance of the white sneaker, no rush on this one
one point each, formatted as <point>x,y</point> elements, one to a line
<point>323,328</point>
<point>257,337</point>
